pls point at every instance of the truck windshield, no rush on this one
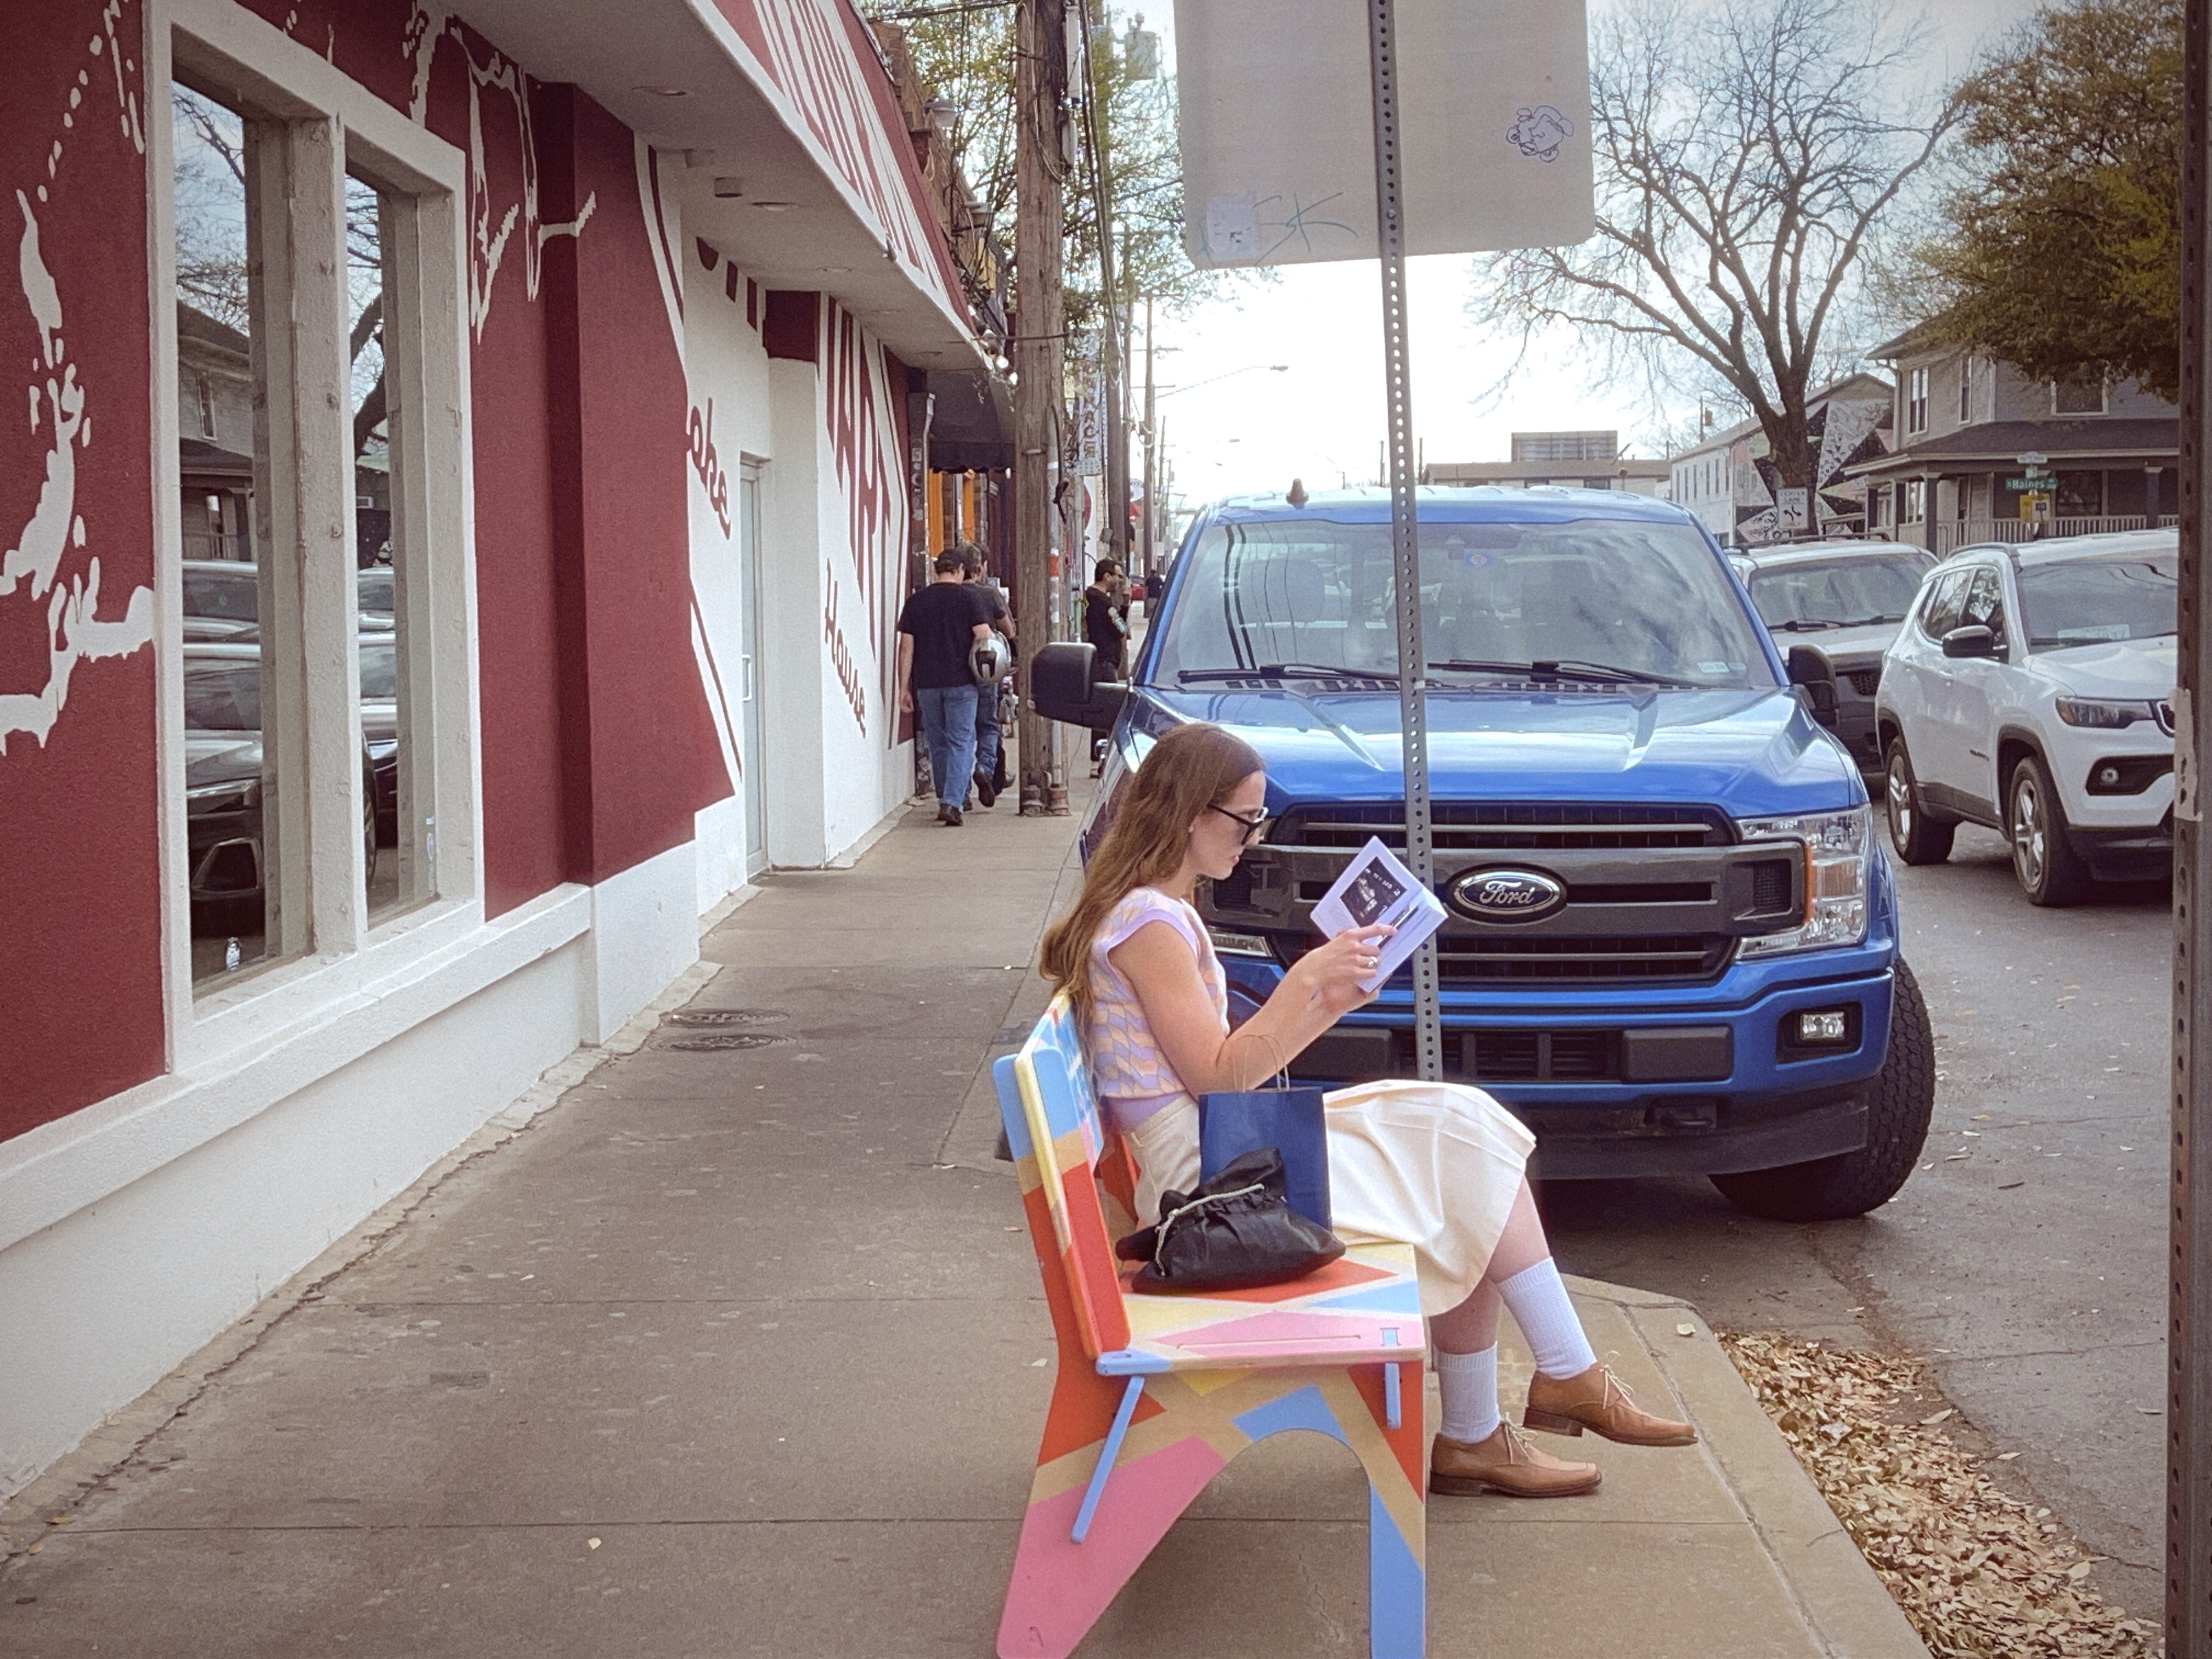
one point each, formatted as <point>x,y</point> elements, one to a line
<point>2093,600</point>
<point>1850,592</point>
<point>1593,602</point>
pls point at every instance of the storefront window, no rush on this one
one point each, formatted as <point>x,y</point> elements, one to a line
<point>246,857</point>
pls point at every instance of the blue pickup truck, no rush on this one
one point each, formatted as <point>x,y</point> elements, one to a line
<point>1672,945</point>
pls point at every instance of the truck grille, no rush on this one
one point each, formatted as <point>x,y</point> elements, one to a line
<point>1569,1056</point>
<point>1461,960</point>
<point>1478,826</point>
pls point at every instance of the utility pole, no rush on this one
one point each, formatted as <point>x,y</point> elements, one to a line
<point>1114,354</point>
<point>1152,522</point>
<point>1040,167</point>
<point>2189,1291</point>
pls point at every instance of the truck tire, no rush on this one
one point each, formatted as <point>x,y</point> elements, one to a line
<point>1918,838</point>
<point>1899,1101</point>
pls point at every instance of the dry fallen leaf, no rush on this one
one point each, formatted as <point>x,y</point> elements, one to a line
<point>591,1543</point>
<point>1685,1328</point>
<point>1977,1572</point>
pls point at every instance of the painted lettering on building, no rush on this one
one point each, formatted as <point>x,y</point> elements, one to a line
<point>706,462</point>
<point>841,653</point>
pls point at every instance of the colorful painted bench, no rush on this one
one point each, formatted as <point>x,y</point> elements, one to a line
<point>1154,1395</point>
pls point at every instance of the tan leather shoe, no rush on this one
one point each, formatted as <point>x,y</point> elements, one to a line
<point>1505,1462</point>
<point>1599,1401</point>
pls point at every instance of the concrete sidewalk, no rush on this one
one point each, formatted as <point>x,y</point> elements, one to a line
<point>742,1351</point>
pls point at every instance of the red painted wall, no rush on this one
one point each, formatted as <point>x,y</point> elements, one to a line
<point>598,746</point>
<point>81,1010</point>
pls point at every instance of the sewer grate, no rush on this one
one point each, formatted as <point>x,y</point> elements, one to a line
<point>728,1040</point>
<point>723,1017</point>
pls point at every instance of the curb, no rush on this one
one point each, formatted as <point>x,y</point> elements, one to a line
<point>1843,1599</point>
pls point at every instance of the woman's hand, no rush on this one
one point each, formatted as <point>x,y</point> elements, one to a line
<point>1331,974</point>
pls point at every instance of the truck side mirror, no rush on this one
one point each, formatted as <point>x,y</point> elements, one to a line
<point>1062,689</point>
<point>1971,641</point>
<point>1814,676</point>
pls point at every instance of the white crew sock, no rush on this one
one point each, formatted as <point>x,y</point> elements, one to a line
<point>1468,1382</point>
<point>1540,1307</point>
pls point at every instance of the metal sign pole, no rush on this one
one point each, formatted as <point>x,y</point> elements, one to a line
<point>2189,1331</point>
<point>1412,664</point>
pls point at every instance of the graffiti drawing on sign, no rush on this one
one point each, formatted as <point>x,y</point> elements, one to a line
<point>31,567</point>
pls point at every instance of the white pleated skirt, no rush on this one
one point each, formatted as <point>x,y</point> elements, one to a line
<point>1435,1165</point>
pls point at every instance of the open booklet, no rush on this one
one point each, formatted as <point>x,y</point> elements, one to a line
<point>1376,888</point>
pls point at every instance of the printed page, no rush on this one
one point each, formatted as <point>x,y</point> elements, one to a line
<point>1378,889</point>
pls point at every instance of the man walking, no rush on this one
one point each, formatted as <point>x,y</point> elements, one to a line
<point>937,628</point>
<point>986,696</point>
<point>1106,618</point>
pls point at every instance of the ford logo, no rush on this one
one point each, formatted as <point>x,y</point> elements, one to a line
<point>1507,895</point>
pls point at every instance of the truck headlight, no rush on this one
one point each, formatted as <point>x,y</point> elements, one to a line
<point>1838,878</point>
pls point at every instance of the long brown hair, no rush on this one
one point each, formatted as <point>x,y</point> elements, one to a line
<point>1191,768</point>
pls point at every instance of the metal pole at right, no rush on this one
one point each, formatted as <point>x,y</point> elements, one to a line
<point>2189,1333</point>
<point>1405,539</point>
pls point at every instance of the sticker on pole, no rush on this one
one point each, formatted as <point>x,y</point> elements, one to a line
<point>1278,113</point>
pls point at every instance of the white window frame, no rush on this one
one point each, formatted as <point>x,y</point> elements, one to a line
<point>1965,391</point>
<point>1916,399</point>
<point>1915,505</point>
<point>328,119</point>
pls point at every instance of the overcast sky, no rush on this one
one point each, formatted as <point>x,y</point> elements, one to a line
<point>1322,416</point>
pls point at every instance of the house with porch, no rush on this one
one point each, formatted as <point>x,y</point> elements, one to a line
<point>1728,479</point>
<point>1987,453</point>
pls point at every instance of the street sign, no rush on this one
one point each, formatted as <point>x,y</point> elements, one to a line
<point>1278,139</point>
<point>1793,510</point>
<point>2036,483</point>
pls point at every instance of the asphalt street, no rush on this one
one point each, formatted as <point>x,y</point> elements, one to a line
<point>2024,1259</point>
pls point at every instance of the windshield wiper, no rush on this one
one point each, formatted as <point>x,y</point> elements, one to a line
<point>1565,668</point>
<point>1288,670</point>
<point>1807,625</point>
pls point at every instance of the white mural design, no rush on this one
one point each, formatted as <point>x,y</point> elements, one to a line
<point>432,24</point>
<point>76,630</point>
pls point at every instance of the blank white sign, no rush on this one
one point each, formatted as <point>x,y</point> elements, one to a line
<point>1279,127</point>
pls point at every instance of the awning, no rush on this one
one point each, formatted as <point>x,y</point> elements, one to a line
<point>781,121</point>
<point>1994,445</point>
<point>972,425</point>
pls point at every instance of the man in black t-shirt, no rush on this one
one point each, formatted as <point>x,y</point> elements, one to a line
<point>1106,617</point>
<point>937,629</point>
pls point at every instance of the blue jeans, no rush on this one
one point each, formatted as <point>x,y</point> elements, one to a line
<point>987,731</point>
<point>948,726</point>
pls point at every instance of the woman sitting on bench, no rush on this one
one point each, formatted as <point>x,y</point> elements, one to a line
<point>1442,1171</point>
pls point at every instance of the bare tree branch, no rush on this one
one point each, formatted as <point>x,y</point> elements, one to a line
<point>1746,158</point>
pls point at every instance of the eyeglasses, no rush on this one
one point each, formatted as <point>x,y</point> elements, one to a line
<point>1255,827</point>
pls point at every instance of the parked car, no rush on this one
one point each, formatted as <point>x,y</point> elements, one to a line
<point>1711,982</point>
<point>2032,692</point>
<point>378,656</point>
<point>222,600</point>
<point>224,789</point>
<point>1848,598</point>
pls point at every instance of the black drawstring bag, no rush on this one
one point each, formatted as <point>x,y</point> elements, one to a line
<point>1234,1232</point>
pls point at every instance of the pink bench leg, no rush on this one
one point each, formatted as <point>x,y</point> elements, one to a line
<point>1059,1587</point>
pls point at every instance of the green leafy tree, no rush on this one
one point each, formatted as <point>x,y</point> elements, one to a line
<point>2062,251</point>
<point>967,59</point>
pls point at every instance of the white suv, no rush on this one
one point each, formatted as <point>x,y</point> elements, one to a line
<point>2031,690</point>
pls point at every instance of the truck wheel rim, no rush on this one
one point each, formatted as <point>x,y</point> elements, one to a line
<point>2027,833</point>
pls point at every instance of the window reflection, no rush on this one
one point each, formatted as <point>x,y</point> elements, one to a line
<point>231,786</point>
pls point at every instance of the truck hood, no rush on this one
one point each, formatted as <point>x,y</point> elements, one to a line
<point>1750,753</point>
<point>1856,646</point>
<point>2112,668</point>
